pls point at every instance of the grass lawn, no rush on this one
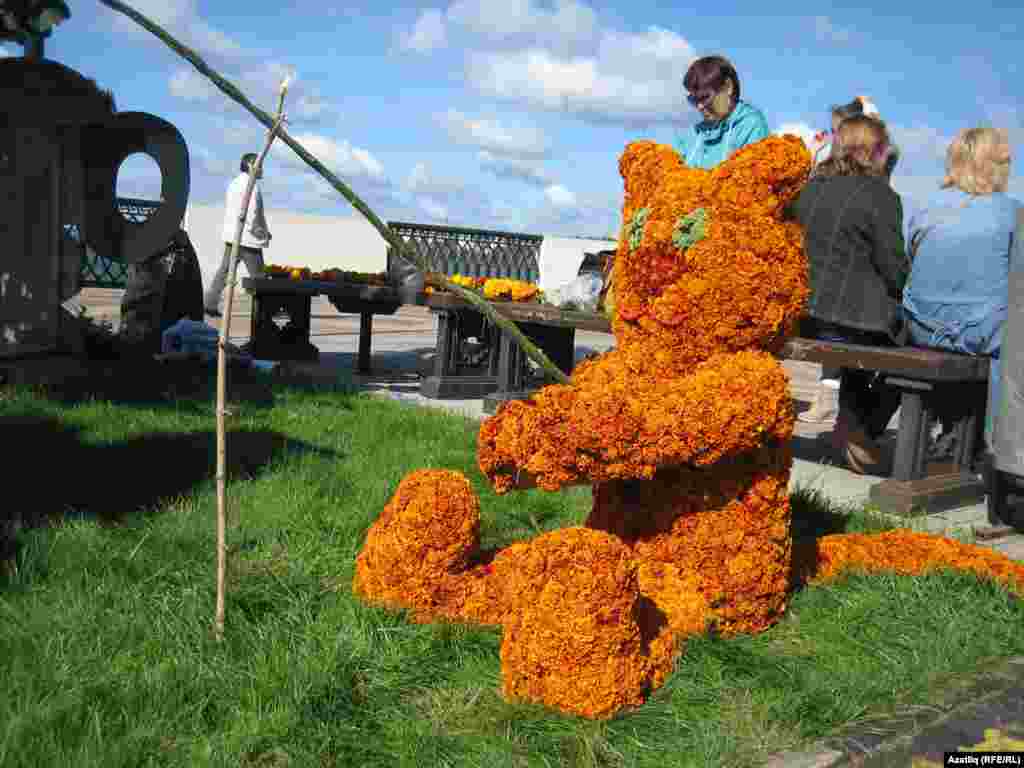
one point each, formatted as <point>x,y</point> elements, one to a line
<point>107,657</point>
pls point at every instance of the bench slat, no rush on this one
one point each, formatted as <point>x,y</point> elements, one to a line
<point>911,362</point>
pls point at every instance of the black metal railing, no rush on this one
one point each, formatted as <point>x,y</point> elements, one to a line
<point>101,271</point>
<point>472,252</point>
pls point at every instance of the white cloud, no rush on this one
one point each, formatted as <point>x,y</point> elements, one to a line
<point>245,131</point>
<point>427,33</point>
<point>467,203</point>
<point>514,22</point>
<point>828,32</point>
<point>559,58</point>
<point>340,157</point>
<point>5,52</point>
<point>261,84</point>
<point>433,208</point>
<point>577,85</point>
<point>182,19</point>
<point>493,136</point>
<point>514,168</point>
<point>422,180</point>
<point>208,162</point>
<point>802,130</point>
<point>189,85</point>
<point>559,196</point>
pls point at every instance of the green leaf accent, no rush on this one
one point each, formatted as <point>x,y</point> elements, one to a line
<point>635,231</point>
<point>690,229</point>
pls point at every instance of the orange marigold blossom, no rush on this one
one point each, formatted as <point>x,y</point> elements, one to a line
<point>684,431</point>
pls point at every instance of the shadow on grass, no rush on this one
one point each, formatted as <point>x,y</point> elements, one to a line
<point>54,474</point>
<point>146,382</point>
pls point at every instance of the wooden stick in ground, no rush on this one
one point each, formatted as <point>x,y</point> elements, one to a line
<point>222,370</point>
<point>401,248</point>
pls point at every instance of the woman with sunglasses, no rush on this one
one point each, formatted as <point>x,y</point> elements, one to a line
<point>728,124</point>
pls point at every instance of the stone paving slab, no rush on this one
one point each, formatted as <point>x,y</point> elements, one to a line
<point>981,711</point>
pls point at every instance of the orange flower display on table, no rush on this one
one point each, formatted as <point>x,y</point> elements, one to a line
<point>684,431</point>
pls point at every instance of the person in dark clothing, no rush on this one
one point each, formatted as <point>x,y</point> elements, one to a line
<point>853,238</point>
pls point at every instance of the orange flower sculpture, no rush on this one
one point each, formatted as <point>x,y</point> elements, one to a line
<point>683,430</point>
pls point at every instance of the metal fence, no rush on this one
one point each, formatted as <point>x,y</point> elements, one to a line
<point>472,252</point>
<point>103,272</point>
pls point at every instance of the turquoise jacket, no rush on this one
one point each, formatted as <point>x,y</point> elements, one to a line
<point>706,144</point>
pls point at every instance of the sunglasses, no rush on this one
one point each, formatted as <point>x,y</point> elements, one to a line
<point>701,98</point>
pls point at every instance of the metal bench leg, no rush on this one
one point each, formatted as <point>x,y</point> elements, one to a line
<point>447,340</point>
<point>289,342</point>
<point>446,381</point>
<point>365,333</point>
<point>909,491</point>
<point>966,440</point>
<point>907,463</point>
<point>511,366</point>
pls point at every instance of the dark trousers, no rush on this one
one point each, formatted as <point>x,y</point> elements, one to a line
<point>863,394</point>
<point>253,260</point>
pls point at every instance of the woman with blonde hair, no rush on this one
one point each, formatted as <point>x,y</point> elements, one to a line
<point>853,225</point>
<point>957,295</point>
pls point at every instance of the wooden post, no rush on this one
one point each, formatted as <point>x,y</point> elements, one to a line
<point>225,328</point>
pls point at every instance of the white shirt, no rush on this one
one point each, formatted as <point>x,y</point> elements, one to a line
<point>255,233</point>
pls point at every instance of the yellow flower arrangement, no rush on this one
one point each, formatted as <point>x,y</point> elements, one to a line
<point>329,275</point>
<point>684,430</point>
<point>499,289</point>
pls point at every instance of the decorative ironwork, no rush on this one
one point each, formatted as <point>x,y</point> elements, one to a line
<point>101,271</point>
<point>472,252</point>
<point>137,210</point>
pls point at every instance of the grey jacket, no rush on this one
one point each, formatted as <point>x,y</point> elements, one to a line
<point>853,239</point>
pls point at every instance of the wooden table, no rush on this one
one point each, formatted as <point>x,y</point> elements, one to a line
<point>550,328</point>
<point>281,314</point>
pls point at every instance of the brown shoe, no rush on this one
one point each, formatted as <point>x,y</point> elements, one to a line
<point>840,434</point>
<point>864,455</point>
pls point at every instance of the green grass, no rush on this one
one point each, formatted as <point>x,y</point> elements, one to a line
<point>107,657</point>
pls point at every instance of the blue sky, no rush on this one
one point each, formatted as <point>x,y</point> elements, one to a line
<point>512,114</point>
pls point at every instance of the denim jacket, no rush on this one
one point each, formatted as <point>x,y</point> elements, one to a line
<point>958,280</point>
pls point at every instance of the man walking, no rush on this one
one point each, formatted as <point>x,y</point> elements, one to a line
<point>255,234</point>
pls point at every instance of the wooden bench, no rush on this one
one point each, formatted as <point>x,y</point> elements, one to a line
<point>923,376</point>
<point>282,315</point>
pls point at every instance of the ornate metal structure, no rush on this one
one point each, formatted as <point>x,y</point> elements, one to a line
<point>472,252</point>
<point>102,271</point>
<point>61,145</point>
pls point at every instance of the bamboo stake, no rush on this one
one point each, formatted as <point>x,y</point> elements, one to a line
<point>222,369</point>
<point>401,249</point>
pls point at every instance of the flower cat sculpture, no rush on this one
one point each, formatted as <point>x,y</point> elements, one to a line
<point>683,429</point>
